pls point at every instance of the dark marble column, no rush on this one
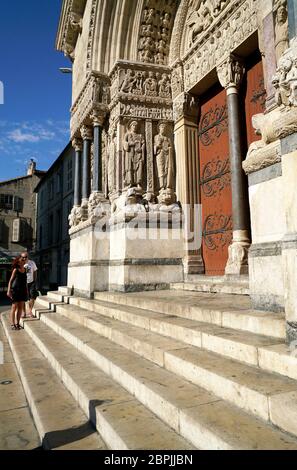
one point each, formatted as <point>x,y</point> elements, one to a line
<point>86,133</point>
<point>292,18</point>
<point>77,145</point>
<point>230,74</point>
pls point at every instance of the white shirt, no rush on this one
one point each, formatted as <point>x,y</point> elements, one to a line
<point>30,268</point>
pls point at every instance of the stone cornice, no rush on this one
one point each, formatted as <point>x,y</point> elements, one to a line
<point>68,32</point>
<point>93,98</point>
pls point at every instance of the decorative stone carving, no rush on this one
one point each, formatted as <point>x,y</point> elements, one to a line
<point>98,207</point>
<point>177,81</point>
<point>155,31</point>
<point>285,79</point>
<point>281,27</point>
<point>163,152</point>
<point>76,22</point>
<point>231,72</point>
<point>238,256</point>
<point>75,216</point>
<point>111,160</point>
<point>143,84</point>
<point>167,202</point>
<point>77,144</point>
<point>93,97</point>
<point>224,35</point>
<point>199,19</point>
<point>86,132</point>
<point>91,34</point>
<point>134,156</point>
<point>185,105</point>
<point>142,111</point>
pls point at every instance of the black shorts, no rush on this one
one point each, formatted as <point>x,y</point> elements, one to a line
<point>33,293</point>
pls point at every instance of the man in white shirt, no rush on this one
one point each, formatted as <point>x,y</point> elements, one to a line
<point>31,269</point>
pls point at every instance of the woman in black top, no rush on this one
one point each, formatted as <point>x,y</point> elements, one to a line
<point>18,291</point>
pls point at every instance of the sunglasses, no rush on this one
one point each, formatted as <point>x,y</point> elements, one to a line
<point>24,257</point>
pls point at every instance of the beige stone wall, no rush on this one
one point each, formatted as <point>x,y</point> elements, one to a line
<point>80,62</point>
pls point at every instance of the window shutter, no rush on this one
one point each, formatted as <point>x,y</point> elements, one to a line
<point>16,230</point>
<point>1,230</point>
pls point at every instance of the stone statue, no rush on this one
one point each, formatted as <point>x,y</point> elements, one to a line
<point>111,159</point>
<point>128,82</point>
<point>164,87</point>
<point>281,30</point>
<point>150,85</point>
<point>164,158</point>
<point>134,155</point>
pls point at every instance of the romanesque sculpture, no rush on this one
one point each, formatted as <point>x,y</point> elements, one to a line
<point>164,87</point>
<point>164,159</point>
<point>75,216</point>
<point>151,85</point>
<point>134,156</point>
<point>111,159</point>
<point>128,82</point>
<point>285,79</point>
<point>281,28</point>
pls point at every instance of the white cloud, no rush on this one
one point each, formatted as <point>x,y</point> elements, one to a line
<point>19,136</point>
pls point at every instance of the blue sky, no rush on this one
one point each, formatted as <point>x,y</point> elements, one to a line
<point>34,119</point>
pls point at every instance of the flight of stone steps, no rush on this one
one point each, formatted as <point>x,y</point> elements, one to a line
<point>157,370</point>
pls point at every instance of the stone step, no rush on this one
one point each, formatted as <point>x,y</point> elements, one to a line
<point>261,393</point>
<point>122,421</point>
<point>230,311</point>
<point>212,287</point>
<point>65,290</point>
<point>239,345</point>
<point>47,302</point>
<point>59,421</point>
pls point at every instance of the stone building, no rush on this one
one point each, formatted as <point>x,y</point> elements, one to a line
<point>190,102</point>
<point>17,218</point>
<point>54,204</point>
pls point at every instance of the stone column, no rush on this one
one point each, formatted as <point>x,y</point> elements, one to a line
<point>98,120</point>
<point>77,145</point>
<point>186,117</point>
<point>230,74</point>
<point>292,17</point>
<point>86,133</point>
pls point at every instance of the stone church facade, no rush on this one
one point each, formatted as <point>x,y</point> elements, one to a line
<point>184,111</point>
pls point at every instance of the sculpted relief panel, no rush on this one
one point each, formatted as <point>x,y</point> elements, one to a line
<point>226,25</point>
<point>155,31</point>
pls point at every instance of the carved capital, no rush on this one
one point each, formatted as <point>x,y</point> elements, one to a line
<point>98,117</point>
<point>86,133</point>
<point>231,72</point>
<point>77,144</point>
<point>186,104</point>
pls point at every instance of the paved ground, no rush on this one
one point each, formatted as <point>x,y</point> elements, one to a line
<point>4,304</point>
<point>17,429</point>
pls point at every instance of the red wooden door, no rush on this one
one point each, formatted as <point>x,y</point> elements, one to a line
<point>255,95</point>
<point>215,182</point>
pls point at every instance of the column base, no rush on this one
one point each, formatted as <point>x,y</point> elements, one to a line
<point>237,263</point>
<point>193,264</point>
<point>291,332</point>
<point>84,209</point>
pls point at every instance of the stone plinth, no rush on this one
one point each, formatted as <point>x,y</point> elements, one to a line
<point>89,258</point>
<point>145,253</point>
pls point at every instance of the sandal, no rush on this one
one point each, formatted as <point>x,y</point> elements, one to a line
<point>19,327</point>
<point>14,327</point>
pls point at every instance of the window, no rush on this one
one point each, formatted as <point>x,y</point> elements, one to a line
<point>40,237</point>
<point>50,187</point>
<point>69,175</point>
<point>59,182</point>
<point>42,199</point>
<point>58,225</point>
<point>50,229</point>
<point>6,202</point>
